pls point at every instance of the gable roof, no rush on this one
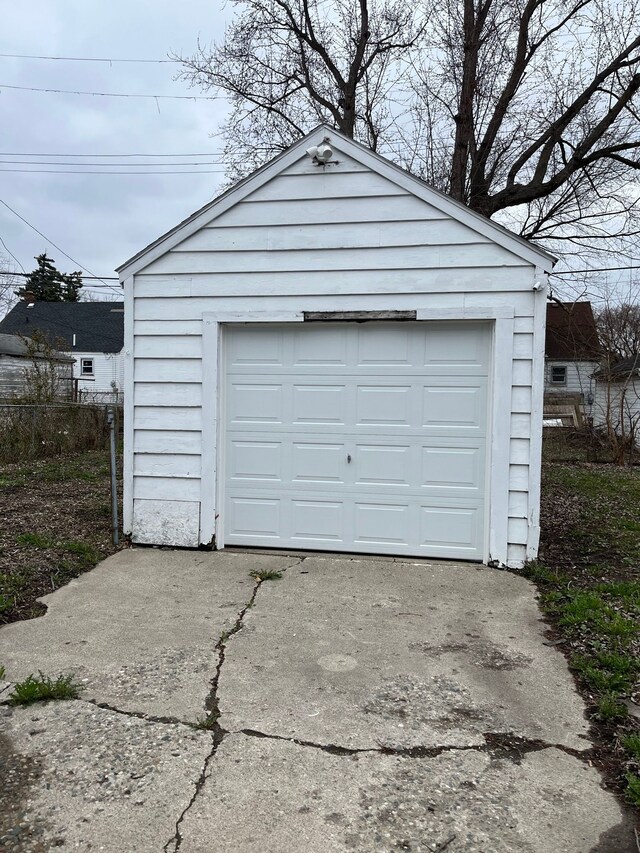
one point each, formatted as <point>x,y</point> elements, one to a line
<point>98,326</point>
<point>571,332</point>
<point>15,345</point>
<point>370,159</point>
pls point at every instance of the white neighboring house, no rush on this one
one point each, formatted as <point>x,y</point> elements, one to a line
<point>617,398</point>
<point>334,356</point>
<point>92,332</point>
<point>572,351</point>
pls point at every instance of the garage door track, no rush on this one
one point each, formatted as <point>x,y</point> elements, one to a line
<point>275,703</point>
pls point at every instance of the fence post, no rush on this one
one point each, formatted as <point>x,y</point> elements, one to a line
<point>114,484</point>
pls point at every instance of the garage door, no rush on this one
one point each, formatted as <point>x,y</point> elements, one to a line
<point>364,437</point>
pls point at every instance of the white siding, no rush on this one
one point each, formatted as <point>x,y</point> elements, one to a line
<point>337,239</point>
<point>617,404</point>
<point>579,375</point>
<point>108,375</point>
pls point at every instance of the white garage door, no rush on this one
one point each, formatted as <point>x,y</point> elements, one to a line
<point>365,437</point>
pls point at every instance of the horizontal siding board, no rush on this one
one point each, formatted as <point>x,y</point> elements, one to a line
<point>166,465</point>
<point>161,393</point>
<point>518,531</point>
<point>518,504</point>
<point>522,371</point>
<point>523,345</point>
<point>523,323</point>
<point>166,441</point>
<point>331,235</point>
<point>521,399</point>
<point>469,255</point>
<point>326,184</point>
<point>520,425</point>
<point>519,478</point>
<point>160,418</point>
<point>158,346</point>
<point>179,489</point>
<point>210,287</point>
<point>516,555</point>
<point>167,369</point>
<point>519,451</point>
<point>183,328</point>
<point>312,211</point>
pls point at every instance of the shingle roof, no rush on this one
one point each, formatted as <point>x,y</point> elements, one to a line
<point>98,326</point>
<point>571,332</point>
<point>18,346</point>
<point>622,370</point>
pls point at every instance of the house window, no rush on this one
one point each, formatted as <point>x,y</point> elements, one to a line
<point>558,375</point>
<point>86,366</point>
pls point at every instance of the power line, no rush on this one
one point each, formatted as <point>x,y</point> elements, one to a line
<point>600,269</point>
<point>110,60</point>
<point>33,228</point>
<point>40,154</point>
<point>105,165</point>
<point>113,94</point>
<point>7,249</point>
<point>104,278</point>
<point>72,172</point>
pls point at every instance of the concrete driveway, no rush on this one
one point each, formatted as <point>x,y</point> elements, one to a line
<point>353,705</point>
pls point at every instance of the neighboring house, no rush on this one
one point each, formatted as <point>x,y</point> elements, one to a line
<point>617,397</point>
<point>572,350</point>
<point>92,332</point>
<point>19,357</point>
<point>335,356</point>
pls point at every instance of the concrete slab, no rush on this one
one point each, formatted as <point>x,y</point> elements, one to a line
<point>79,778</point>
<point>273,796</point>
<point>360,653</point>
<point>139,630</point>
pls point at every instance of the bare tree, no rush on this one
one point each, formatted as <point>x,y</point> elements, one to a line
<point>8,284</point>
<point>618,323</point>
<point>526,110</point>
<point>287,65</point>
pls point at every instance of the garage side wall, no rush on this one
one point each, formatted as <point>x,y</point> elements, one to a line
<point>336,239</point>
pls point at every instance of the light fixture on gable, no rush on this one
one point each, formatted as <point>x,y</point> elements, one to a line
<point>321,154</point>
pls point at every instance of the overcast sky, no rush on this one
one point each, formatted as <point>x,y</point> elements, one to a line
<point>101,220</point>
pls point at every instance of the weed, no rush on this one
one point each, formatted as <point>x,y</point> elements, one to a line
<point>3,672</point>
<point>36,540</point>
<point>630,742</point>
<point>605,677</point>
<point>633,789</point>
<point>84,550</point>
<point>208,723</point>
<point>43,689</point>
<point>610,707</point>
<point>266,575</point>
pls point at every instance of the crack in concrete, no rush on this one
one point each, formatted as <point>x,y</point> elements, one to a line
<point>498,745</point>
<point>139,715</point>
<point>212,707</point>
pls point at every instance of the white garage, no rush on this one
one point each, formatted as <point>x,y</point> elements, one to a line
<point>333,356</point>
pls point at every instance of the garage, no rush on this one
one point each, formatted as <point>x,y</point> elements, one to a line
<point>366,437</point>
<point>334,356</point>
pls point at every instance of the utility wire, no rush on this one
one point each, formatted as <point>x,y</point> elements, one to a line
<point>33,228</point>
<point>40,154</point>
<point>114,94</point>
<point>85,58</point>
<point>72,172</point>
<point>105,165</point>
<point>600,269</point>
<point>104,278</point>
<point>7,249</point>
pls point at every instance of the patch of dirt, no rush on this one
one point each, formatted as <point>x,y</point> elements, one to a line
<point>55,523</point>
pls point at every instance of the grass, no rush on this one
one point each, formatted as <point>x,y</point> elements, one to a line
<point>208,723</point>
<point>587,577</point>
<point>44,689</point>
<point>266,575</point>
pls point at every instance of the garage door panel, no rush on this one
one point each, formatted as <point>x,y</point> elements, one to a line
<point>255,403</point>
<point>454,407</point>
<point>255,518</point>
<point>449,527</point>
<point>319,404</point>
<point>316,519</point>
<point>452,467</point>
<point>383,465</point>
<point>315,462</point>
<point>380,404</point>
<point>377,346</point>
<point>255,460</point>
<point>318,345</point>
<point>385,524</point>
<point>255,346</point>
<point>362,437</point>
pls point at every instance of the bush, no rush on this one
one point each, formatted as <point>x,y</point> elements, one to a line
<point>40,431</point>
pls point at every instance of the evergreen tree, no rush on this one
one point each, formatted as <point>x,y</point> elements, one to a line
<point>48,284</point>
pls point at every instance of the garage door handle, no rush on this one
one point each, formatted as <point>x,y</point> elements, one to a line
<point>348,457</point>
